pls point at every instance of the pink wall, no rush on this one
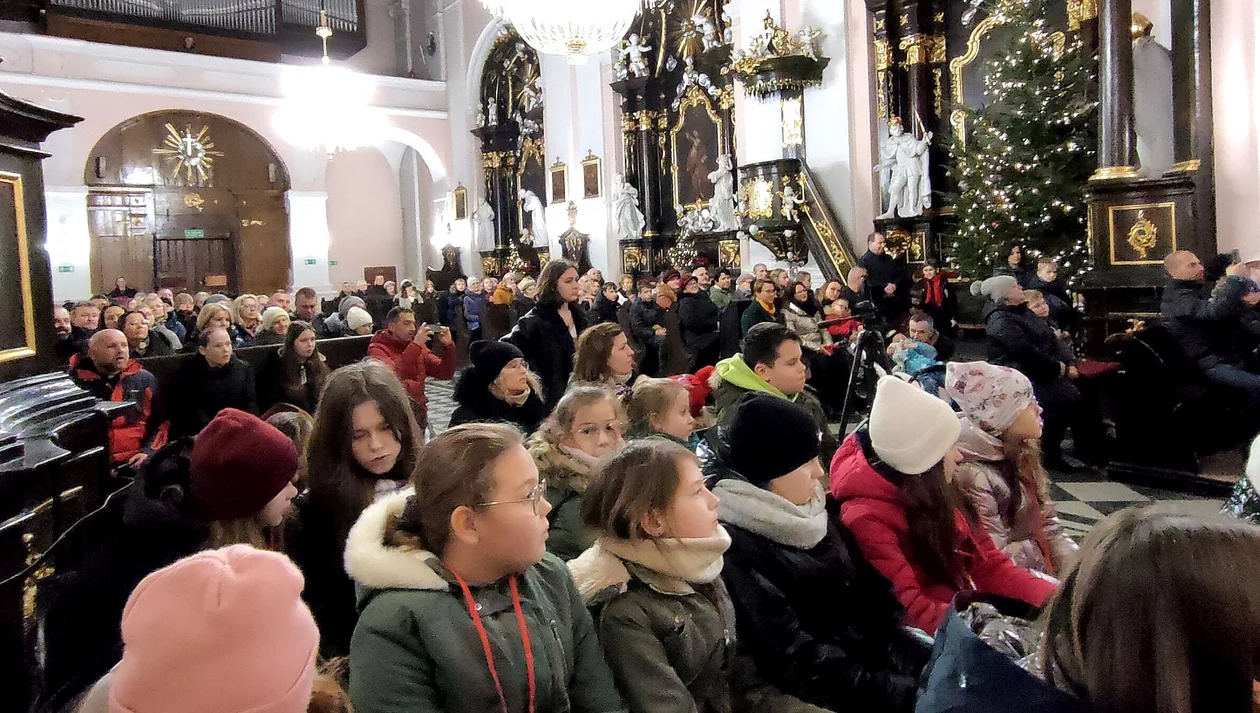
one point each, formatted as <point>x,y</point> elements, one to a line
<point>1236,100</point>
<point>365,221</point>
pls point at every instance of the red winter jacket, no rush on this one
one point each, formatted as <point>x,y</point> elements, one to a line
<point>131,432</point>
<point>871,508</point>
<point>412,363</point>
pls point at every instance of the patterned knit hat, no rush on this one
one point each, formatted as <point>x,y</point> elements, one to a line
<point>992,397</point>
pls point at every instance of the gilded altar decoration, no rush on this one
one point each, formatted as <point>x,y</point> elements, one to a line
<point>251,222</point>
<point>1079,11</point>
<point>728,254</point>
<point>778,60</point>
<point>790,201</point>
<point>194,201</point>
<point>632,260</point>
<point>698,132</point>
<point>757,198</point>
<point>1143,235</point>
<point>490,265</point>
<point>793,123</point>
<point>189,154</point>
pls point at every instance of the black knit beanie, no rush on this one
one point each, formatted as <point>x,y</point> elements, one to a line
<point>769,437</point>
<point>489,358</point>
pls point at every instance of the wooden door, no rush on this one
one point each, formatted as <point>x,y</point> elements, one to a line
<point>120,230</point>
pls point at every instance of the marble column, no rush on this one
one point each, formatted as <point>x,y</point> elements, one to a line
<point>1192,105</point>
<point>1116,144</point>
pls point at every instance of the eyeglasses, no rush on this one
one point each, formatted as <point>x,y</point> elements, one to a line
<point>535,497</point>
<point>612,428</point>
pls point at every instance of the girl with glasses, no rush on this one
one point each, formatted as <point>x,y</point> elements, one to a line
<point>462,609</point>
<point>585,427</point>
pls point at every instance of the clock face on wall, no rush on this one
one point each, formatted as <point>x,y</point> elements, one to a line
<point>189,154</point>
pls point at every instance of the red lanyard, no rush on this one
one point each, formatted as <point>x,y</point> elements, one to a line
<point>485,640</point>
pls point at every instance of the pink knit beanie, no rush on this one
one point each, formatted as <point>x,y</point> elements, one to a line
<point>222,631</point>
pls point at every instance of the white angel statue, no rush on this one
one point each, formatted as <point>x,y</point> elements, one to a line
<point>626,213</point>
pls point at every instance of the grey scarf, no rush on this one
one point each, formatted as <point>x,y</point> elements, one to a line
<point>761,512</point>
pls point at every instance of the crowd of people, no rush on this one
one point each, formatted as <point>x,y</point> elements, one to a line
<point>623,516</point>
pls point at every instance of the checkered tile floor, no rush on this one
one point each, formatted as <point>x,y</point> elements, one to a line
<point>1083,499</point>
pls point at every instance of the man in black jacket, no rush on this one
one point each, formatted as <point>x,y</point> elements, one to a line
<point>699,318</point>
<point>1204,320</point>
<point>887,279</point>
<point>646,320</point>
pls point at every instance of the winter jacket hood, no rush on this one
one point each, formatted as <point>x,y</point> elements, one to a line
<point>976,445</point>
<point>853,476</point>
<point>374,565</point>
<point>476,403</point>
<point>735,371</point>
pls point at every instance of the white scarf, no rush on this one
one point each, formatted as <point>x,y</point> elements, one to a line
<point>764,513</point>
<point>695,560</point>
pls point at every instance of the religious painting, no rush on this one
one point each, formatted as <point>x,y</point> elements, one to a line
<point>728,255</point>
<point>697,143</point>
<point>559,182</point>
<point>591,177</point>
<point>461,203</point>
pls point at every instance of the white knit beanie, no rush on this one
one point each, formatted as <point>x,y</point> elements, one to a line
<point>1253,464</point>
<point>358,317</point>
<point>994,288</point>
<point>910,429</point>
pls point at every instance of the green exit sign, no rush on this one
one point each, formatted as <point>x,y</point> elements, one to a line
<point>309,261</point>
<point>65,268</point>
<point>194,233</point>
<point>332,262</point>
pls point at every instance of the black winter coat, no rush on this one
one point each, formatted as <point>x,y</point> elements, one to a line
<point>198,392</point>
<point>1025,342</point>
<point>605,310</point>
<point>967,675</point>
<point>821,624</point>
<point>643,317</point>
<point>272,389</point>
<point>310,540</point>
<point>1204,324</point>
<point>147,530</point>
<point>699,318</point>
<point>478,405</point>
<point>881,271</point>
<point>548,346</point>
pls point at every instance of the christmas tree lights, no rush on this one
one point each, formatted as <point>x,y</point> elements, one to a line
<point>1028,152</point>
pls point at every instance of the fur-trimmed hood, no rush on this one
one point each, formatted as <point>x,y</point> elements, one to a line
<point>374,565</point>
<point>559,468</point>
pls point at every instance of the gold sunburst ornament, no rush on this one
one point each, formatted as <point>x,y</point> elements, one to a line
<point>1143,236</point>
<point>189,154</point>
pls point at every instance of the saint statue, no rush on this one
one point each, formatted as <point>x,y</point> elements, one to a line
<point>723,203</point>
<point>537,214</point>
<point>909,186</point>
<point>626,213</point>
<point>483,216</point>
<point>1152,99</point>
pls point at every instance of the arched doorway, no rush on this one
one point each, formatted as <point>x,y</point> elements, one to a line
<point>187,200</point>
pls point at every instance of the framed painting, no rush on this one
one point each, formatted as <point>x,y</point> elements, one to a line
<point>592,177</point>
<point>559,182</point>
<point>461,203</point>
<point>697,143</point>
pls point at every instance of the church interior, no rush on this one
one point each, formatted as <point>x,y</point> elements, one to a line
<point>919,161</point>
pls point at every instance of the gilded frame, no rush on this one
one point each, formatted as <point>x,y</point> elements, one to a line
<point>695,97</point>
<point>461,202</point>
<point>592,175</point>
<point>531,149</point>
<point>24,269</point>
<point>1111,229</point>
<point>559,176</point>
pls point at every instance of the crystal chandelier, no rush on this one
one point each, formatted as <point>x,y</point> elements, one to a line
<point>575,29</point>
<point>328,108</point>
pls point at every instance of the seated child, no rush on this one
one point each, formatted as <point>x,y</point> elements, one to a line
<point>916,360</point>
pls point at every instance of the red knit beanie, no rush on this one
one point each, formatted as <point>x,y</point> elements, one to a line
<point>239,463</point>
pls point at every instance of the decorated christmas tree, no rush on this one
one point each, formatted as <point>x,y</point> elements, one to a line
<point>1022,166</point>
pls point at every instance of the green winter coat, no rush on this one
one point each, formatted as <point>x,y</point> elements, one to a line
<point>671,645</point>
<point>415,648</point>
<point>566,479</point>
<point>733,378</point>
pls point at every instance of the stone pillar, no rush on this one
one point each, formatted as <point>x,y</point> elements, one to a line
<point>1116,145</point>
<point>1192,104</point>
<point>498,164</point>
<point>309,239</point>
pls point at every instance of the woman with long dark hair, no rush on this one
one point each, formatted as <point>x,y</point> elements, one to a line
<point>363,447</point>
<point>893,478</point>
<point>1153,617</point>
<point>547,334</point>
<point>295,372</point>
